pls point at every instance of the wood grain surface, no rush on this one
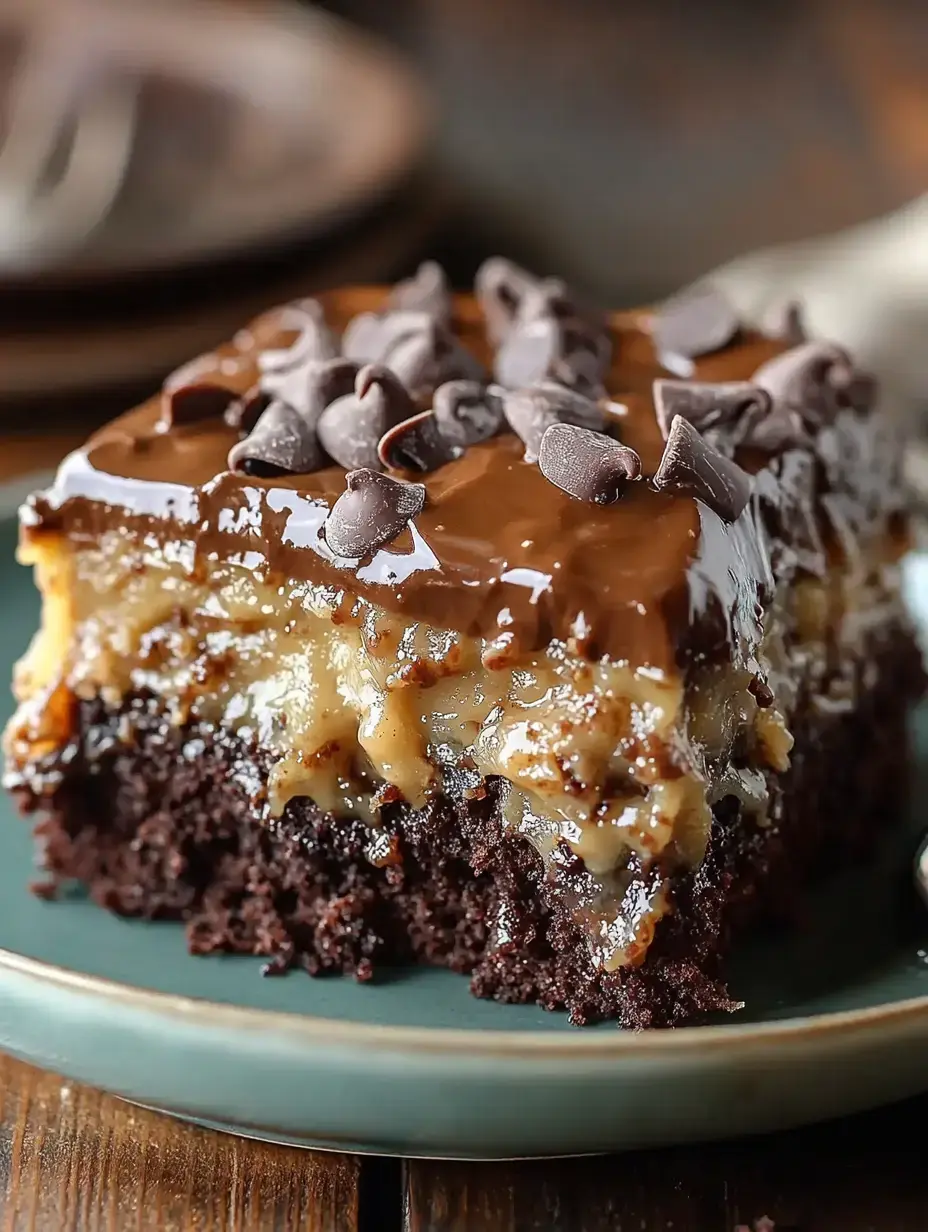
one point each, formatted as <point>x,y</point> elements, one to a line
<point>72,1158</point>
<point>863,1174</point>
<point>631,147</point>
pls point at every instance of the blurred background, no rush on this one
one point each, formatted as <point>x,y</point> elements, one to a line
<point>169,167</point>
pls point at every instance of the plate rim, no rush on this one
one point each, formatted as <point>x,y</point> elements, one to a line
<point>398,94</point>
<point>514,1045</point>
<point>511,1045</point>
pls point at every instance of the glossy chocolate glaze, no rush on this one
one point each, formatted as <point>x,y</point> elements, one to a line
<point>498,550</point>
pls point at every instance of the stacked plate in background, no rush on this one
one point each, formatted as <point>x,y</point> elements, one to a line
<point>166,170</point>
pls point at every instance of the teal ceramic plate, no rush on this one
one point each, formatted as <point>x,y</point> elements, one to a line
<point>837,1020</point>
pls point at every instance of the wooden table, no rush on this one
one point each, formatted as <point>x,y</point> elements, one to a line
<point>73,1158</point>
<point>632,147</point>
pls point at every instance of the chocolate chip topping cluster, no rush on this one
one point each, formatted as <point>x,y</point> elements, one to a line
<point>400,393</point>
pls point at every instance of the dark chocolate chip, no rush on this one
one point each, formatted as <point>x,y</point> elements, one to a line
<point>372,511</point>
<point>310,387</point>
<point>509,295</point>
<point>376,381</point>
<point>500,286</point>
<point>812,380</point>
<point>370,336</point>
<point>467,412</point>
<point>547,297</point>
<point>245,412</point>
<point>691,467</point>
<point>726,414</point>
<point>192,403</point>
<point>530,412</point>
<point>761,692</point>
<point>587,465</point>
<point>415,357</point>
<point>350,427</point>
<point>858,388</point>
<point>787,493</point>
<point>415,346</point>
<point>787,323</point>
<point>422,372</point>
<point>585,359</point>
<point>542,345</point>
<point>416,444</point>
<point>427,291</point>
<point>363,339</point>
<point>529,352</point>
<point>314,340</point>
<point>695,322</point>
<point>708,406</point>
<point>280,443</point>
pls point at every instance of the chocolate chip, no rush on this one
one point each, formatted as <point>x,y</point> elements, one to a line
<point>245,412</point>
<point>415,358</point>
<point>691,467</point>
<point>547,297</point>
<point>811,380</point>
<point>414,345</point>
<point>693,323</point>
<point>314,340</point>
<point>372,511</point>
<point>427,291</point>
<point>587,465</point>
<point>544,343</point>
<point>787,323</point>
<point>726,413</point>
<point>280,443</point>
<point>192,403</point>
<point>859,389</point>
<point>761,692</point>
<point>366,336</point>
<point>349,430</point>
<point>510,296</point>
<point>467,412</point>
<point>376,381</point>
<point>310,387</point>
<point>528,352</point>
<point>787,500</point>
<point>500,286</point>
<point>350,427</point>
<point>371,336</point>
<point>416,444</point>
<point>585,359</point>
<point>530,412</point>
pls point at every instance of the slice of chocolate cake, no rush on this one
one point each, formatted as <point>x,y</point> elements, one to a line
<point>483,632</point>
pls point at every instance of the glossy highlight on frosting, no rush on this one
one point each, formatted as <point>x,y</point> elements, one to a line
<point>497,552</point>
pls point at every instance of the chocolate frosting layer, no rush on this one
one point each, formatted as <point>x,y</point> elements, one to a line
<point>496,550</point>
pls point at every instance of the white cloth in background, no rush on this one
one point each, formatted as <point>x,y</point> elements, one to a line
<point>866,288</point>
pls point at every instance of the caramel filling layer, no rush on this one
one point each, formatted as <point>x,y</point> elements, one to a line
<point>359,708</point>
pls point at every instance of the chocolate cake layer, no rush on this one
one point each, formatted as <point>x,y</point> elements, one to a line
<point>157,821</point>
